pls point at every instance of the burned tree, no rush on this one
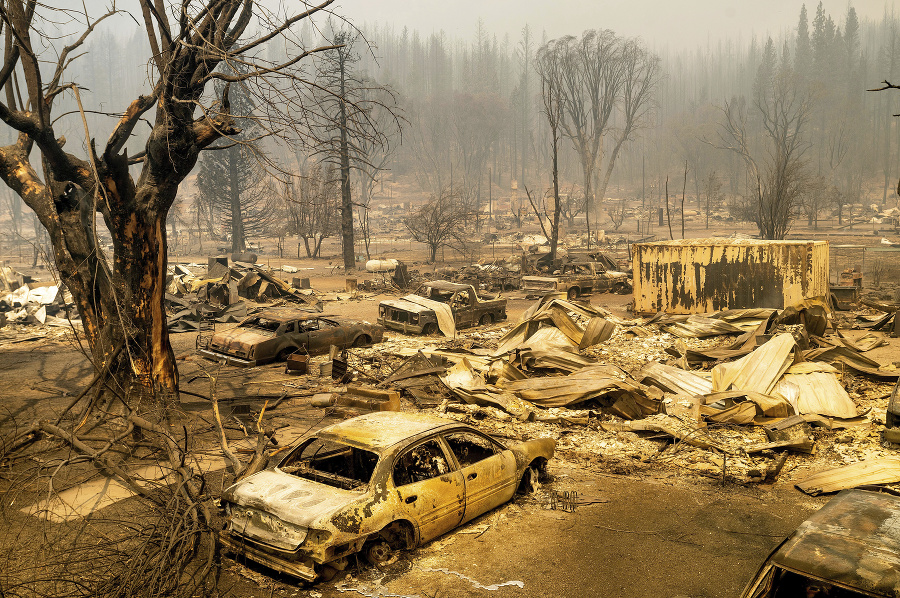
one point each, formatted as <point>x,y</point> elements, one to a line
<point>233,180</point>
<point>547,66</point>
<point>120,300</point>
<point>346,125</point>
<point>605,85</point>
<point>311,203</point>
<point>769,138</point>
<point>441,222</point>
<point>169,549</point>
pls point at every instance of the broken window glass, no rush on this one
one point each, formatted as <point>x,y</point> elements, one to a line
<point>331,463</point>
<point>469,448</point>
<point>419,463</point>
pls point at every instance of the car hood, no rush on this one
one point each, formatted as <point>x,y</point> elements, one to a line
<point>405,305</point>
<point>291,499</point>
<point>240,338</point>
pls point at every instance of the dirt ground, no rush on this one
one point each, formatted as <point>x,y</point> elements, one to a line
<point>634,531</point>
<point>642,534</point>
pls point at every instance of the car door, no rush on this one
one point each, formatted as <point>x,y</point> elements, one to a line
<point>489,471</point>
<point>430,488</point>
<point>328,333</point>
<point>463,312</point>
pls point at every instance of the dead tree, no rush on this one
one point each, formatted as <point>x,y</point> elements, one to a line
<point>605,85</point>
<point>311,203</point>
<point>547,66</point>
<point>441,222</point>
<point>773,152</point>
<point>120,300</point>
<point>346,125</point>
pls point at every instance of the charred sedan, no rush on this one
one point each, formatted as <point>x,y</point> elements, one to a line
<point>373,484</point>
<point>273,334</point>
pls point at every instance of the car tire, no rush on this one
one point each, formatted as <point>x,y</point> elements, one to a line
<point>486,320</point>
<point>286,352</point>
<point>572,294</point>
<point>362,340</point>
<point>430,328</point>
<point>619,288</point>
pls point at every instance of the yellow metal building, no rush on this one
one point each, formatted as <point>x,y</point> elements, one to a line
<point>704,275</point>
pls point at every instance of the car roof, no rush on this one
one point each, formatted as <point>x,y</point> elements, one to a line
<point>287,314</point>
<point>853,540</point>
<point>445,285</point>
<point>382,429</point>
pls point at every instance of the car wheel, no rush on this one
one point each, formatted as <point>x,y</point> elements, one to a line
<point>378,553</point>
<point>286,352</point>
<point>430,328</point>
<point>534,475</point>
<point>486,320</point>
<point>362,340</point>
<point>619,288</point>
<point>572,294</point>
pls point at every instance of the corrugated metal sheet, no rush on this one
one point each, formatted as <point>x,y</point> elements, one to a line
<point>706,275</point>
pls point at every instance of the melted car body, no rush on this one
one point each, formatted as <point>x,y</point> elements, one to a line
<point>373,483</point>
<point>273,334</point>
<point>576,279</point>
<point>849,548</point>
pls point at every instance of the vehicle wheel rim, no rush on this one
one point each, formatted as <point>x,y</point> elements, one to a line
<point>379,553</point>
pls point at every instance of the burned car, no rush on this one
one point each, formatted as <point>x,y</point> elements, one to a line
<point>576,279</point>
<point>373,484</point>
<point>273,334</point>
<point>440,305</point>
<point>850,548</point>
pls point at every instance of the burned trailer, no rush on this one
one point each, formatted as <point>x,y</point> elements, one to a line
<point>692,276</point>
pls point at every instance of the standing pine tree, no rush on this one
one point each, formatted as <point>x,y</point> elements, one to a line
<point>232,180</point>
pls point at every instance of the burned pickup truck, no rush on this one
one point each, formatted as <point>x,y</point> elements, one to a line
<point>440,305</point>
<point>579,278</point>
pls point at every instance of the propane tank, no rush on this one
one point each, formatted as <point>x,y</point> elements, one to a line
<point>381,265</point>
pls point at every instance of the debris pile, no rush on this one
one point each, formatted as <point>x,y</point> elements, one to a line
<point>499,274</point>
<point>25,301</point>
<point>730,395</point>
<point>222,294</point>
<point>226,285</point>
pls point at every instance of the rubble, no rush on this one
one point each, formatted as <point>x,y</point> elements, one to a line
<point>771,383</point>
<point>225,285</point>
<point>863,473</point>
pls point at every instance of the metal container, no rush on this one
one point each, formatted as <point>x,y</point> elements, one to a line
<point>705,275</point>
<point>381,265</point>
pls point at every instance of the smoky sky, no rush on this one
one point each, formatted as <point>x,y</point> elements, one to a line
<point>675,24</point>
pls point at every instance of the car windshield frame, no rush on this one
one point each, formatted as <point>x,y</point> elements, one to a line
<point>263,324</point>
<point>298,464</point>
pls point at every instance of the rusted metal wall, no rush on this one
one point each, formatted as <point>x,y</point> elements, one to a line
<point>706,275</point>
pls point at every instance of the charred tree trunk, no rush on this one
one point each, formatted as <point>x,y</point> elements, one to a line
<point>238,242</point>
<point>346,199</point>
<point>557,205</point>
